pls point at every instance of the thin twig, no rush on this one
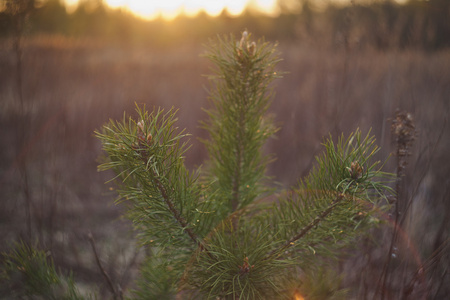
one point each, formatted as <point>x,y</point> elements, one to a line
<point>403,128</point>
<point>427,168</point>
<point>425,267</point>
<point>117,294</point>
<point>19,11</point>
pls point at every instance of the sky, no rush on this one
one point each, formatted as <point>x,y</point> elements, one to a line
<point>150,9</point>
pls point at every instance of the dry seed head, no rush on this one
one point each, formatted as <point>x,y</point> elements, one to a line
<point>404,129</point>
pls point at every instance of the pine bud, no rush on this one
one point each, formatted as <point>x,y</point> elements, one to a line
<point>251,49</point>
<point>246,267</point>
<point>240,47</point>
<point>239,53</point>
<point>140,125</point>
<point>243,39</point>
<point>355,170</point>
<point>244,49</point>
<point>149,138</point>
<point>141,133</point>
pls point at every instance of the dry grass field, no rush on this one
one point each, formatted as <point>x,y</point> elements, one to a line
<point>50,188</point>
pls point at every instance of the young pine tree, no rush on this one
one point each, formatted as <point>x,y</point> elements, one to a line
<point>208,236</point>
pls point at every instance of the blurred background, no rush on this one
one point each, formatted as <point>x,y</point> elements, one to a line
<point>66,67</point>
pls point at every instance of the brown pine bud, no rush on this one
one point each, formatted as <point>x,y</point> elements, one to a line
<point>251,49</point>
<point>355,170</point>
<point>140,125</point>
<point>244,39</point>
<point>246,267</point>
<point>140,131</point>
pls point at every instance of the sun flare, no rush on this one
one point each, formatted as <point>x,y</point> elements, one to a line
<point>169,9</point>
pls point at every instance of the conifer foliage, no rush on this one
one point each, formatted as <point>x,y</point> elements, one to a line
<point>27,273</point>
<point>211,233</point>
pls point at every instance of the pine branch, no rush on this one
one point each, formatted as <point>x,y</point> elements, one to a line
<point>238,125</point>
<point>147,156</point>
<point>314,217</point>
<point>305,230</point>
<point>177,215</point>
<point>237,175</point>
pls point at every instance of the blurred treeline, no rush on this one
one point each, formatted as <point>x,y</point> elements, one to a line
<point>378,24</point>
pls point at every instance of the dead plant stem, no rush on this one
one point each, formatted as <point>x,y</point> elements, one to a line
<point>117,294</point>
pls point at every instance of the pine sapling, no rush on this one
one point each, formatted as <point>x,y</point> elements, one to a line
<point>208,233</point>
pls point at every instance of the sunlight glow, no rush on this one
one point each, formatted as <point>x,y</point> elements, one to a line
<point>71,5</point>
<point>266,6</point>
<point>169,9</point>
<point>298,296</point>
